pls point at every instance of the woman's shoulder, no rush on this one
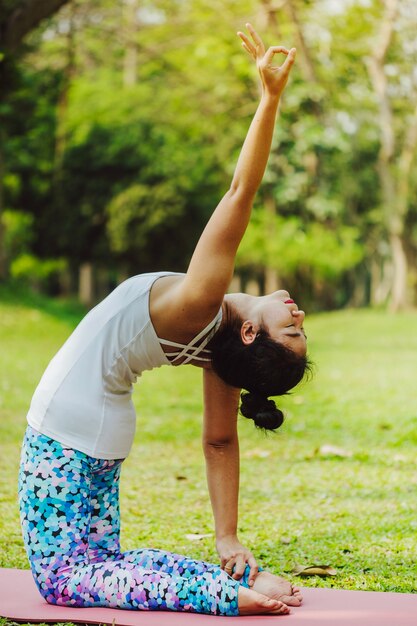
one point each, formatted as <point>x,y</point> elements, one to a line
<point>146,281</point>
<point>176,314</point>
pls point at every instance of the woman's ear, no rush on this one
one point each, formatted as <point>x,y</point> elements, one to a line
<point>248,332</point>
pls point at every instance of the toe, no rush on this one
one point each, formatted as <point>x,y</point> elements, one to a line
<point>297,593</point>
<point>291,600</point>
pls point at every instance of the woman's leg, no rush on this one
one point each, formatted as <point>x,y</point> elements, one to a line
<point>70,521</point>
<point>104,531</point>
<point>54,494</point>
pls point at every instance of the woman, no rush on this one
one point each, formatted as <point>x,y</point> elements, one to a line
<point>82,420</point>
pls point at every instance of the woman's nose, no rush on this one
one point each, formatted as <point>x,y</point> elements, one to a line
<point>298,317</point>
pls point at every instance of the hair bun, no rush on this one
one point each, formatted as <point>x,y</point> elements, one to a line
<point>261,410</point>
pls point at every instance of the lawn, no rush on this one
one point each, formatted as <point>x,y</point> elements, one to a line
<point>354,509</point>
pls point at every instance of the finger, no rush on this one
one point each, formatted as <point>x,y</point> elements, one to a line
<point>247,44</point>
<point>228,568</point>
<point>252,54</point>
<point>254,570</point>
<point>258,41</point>
<point>289,61</point>
<point>274,50</point>
<point>240,567</point>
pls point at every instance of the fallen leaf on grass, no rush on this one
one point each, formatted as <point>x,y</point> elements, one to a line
<point>195,537</point>
<point>329,450</point>
<point>314,570</point>
<point>257,453</point>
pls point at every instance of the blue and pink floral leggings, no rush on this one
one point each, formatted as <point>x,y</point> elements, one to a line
<point>69,505</point>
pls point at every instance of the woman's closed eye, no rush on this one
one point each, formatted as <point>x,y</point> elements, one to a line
<point>301,331</point>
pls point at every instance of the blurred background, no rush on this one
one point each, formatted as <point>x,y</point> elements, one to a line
<point>121,123</point>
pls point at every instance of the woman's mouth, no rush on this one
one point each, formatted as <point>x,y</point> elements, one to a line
<point>289,301</point>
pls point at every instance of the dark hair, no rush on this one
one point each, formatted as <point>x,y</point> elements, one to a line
<point>263,368</point>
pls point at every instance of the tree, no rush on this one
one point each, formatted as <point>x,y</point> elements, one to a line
<point>123,122</point>
<point>17,19</point>
<point>20,17</point>
<point>394,160</point>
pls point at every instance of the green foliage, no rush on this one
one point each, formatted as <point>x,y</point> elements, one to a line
<point>290,246</point>
<point>25,267</point>
<point>126,186</point>
<point>37,273</point>
<point>18,235</point>
<point>139,211</point>
<point>81,139</point>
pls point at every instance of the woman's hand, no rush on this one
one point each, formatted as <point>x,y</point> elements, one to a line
<point>234,557</point>
<point>274,77</point>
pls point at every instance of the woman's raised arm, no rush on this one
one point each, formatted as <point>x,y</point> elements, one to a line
<point>212,264</point>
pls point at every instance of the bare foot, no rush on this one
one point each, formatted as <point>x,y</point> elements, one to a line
<point>253,603</point>
<point>277,588</point>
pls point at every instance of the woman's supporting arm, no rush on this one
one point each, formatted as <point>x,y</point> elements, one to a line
<point>221,450</point>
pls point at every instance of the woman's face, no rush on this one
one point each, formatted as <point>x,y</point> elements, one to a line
<point>276,312</point>
<point>283,320</point>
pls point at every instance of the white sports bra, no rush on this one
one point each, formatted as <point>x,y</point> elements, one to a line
<point>193,350</point>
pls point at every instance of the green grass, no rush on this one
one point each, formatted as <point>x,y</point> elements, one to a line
<point>298,506</point>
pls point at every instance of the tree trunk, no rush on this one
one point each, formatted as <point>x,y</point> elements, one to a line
<point>381,281</point>
<point>400,274</point>
<point>235,284</point>
<point>86,288</point>
<point>62,105</point>
<point>252,287</point>
<point>131,27</point>
<point>394,208</point>
<point>306,62</point>
<point>3,260</point>
<point>304,58</point>
<point>271,273</point>
<point>24,18</point>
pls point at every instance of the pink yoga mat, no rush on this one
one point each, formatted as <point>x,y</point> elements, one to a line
<point>21,601</point>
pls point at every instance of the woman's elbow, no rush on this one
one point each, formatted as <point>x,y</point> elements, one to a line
<point>218,444</point>
<point>242,193</point>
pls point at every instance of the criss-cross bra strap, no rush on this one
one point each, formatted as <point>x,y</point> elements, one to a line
<point>191,352</point>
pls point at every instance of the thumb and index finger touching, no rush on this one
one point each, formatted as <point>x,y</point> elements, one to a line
<point>256,49</point>
<point>290,54</point>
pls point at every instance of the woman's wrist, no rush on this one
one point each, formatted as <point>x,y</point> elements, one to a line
<point>226,536</point>
<point>269,98</point>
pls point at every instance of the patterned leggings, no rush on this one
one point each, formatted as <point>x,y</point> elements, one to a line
<point>69,504</point>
